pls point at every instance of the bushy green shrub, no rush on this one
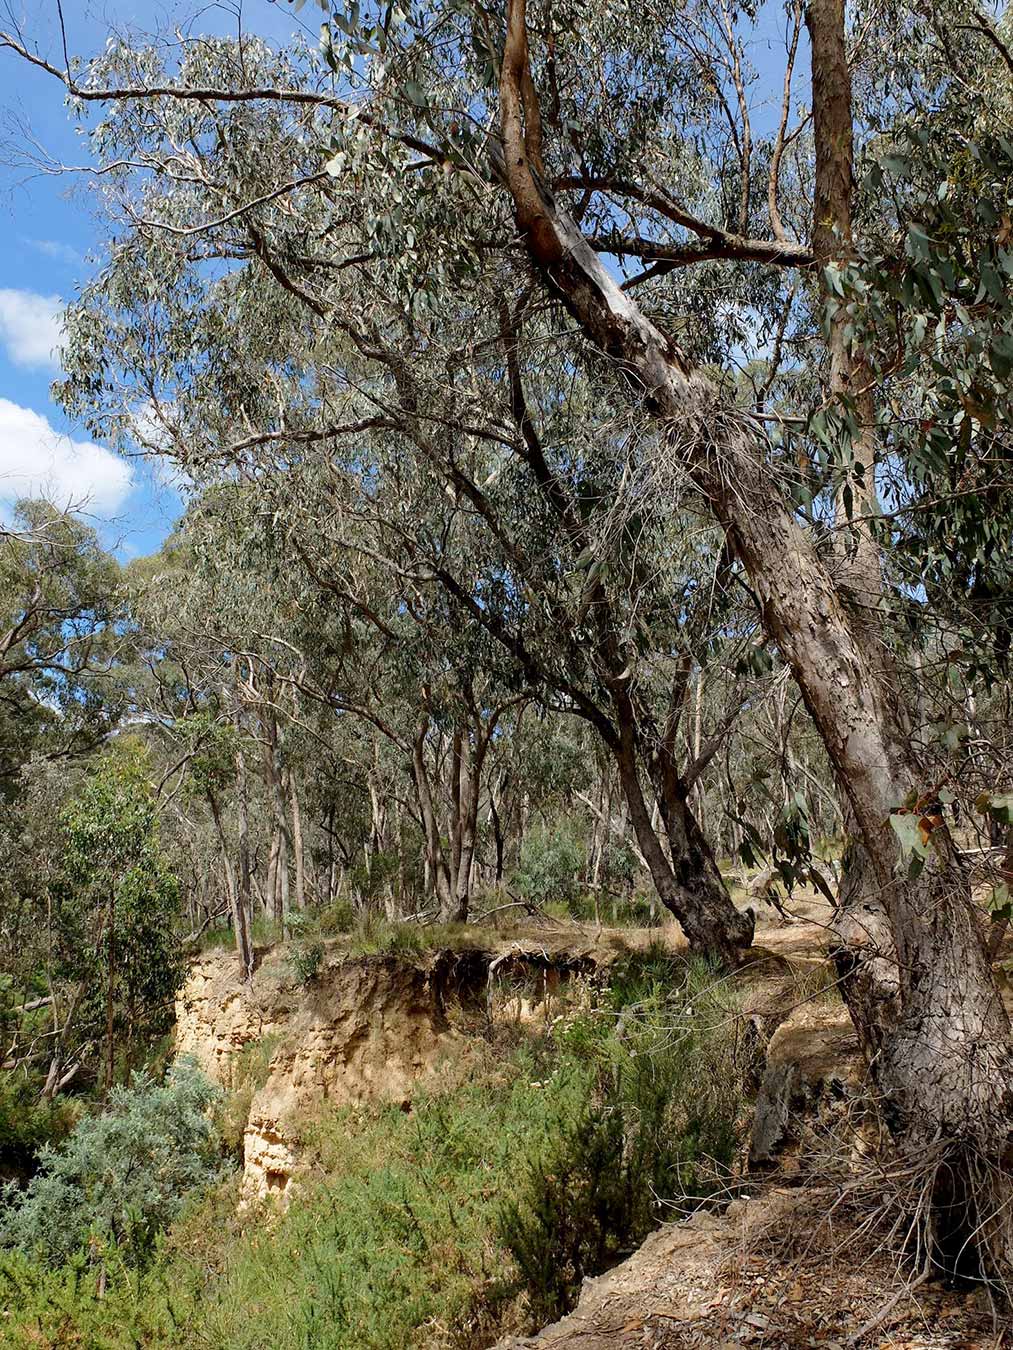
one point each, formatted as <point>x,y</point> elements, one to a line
<point>122,1176</point>
<point>337,917</point>
<point>550,865</point>
<point>306,960</point>
<point>305,953</point>
<point>656,1133</point>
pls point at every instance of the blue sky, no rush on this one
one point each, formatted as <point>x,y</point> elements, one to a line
<point>49,242</point>
<point>46,236</point>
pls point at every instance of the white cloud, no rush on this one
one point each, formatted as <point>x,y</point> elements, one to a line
<point>30,327</point>
<point>57,250</point>
<point>38,460</point>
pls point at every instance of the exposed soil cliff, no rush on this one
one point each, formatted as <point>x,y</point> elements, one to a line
<point>366,1028</point>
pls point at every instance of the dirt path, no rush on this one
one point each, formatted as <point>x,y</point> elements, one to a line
<point>784,1270</point>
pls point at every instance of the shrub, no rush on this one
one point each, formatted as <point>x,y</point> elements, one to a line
<point>657,1132</point>
<point>306,960</point>
<point>305,956</point>
<point>122,1176</point>
<point>337,917</point>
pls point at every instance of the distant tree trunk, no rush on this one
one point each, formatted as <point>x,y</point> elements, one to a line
<point>457,751</point>
<point>435,856</point>
<point>331,860</point>
<point>471,756</point>
<point>240,928</point>
<point>281,883</point>
<point>696,745</point>
<point>465,803</point>
<point>497,832</point>
<point>297,845</point>
<point>110,990</point>
<point>274,765</point>
<point>244,890</point>
<point>271,882</point>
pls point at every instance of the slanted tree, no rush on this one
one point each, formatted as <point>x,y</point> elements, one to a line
<point>531,147</point>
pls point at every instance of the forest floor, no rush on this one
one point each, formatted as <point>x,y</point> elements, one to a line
<point>784,1268</point>
<point>801,1257</point>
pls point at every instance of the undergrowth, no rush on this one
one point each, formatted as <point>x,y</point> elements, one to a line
<point>476,1212</point>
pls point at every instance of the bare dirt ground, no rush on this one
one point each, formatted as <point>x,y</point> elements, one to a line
<point>785,1269</point>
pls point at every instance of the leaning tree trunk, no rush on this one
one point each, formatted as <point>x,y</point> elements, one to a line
<point>943,1066</point>
<point>693,889</point>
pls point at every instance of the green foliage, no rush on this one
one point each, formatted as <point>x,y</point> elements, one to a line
<point>618,863</point>
<point>551,864</point>
<point>63,615</point>
<point>375,874</point>
<point>212,746</point>
<point>122,1176</point>
<point>656,1133</point>
<point>402,1229</point>
<point>28,1123</point>
<point>117,903</point>
<point>305,953</point>
<point>337,917</point>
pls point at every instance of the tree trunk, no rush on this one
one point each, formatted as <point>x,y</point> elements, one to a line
<point>468,768</point>
<point>943,1066</point>
<point>244,891</point>
<point>110,991</point>
<point>271,886</point>
<point>275,769</point>
<point>497,831</point>
<point>696,893</point>
<point>298,850</point>
<point>435,855</point>
<point>280,898</point>
<point>240,929</point>
<point>864,955</point>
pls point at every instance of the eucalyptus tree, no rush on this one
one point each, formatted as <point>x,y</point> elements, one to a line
<point>940,1036</point>
<point>434,147</point>
<point>64,640</point>
<point>435,428</point>
<point>92,950</point>
<point>567,587</point>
